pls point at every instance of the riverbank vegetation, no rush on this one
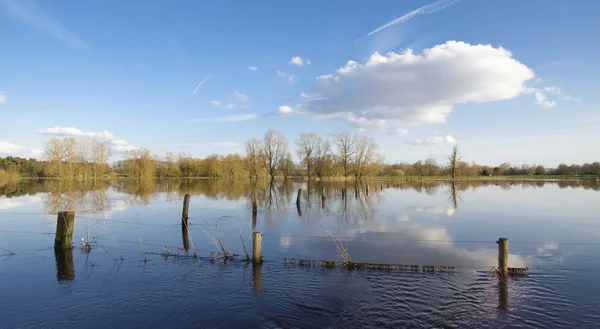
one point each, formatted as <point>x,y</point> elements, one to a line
<point>343,156</point>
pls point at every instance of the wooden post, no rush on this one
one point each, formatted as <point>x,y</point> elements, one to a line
<point>298,197</point>
<point>322,197</point>
<point>343,194</point>
<point>503,256</point>
<point>184,212</point>
<point>367,189</point>
<point>65,222</point>
<point>256,245</point>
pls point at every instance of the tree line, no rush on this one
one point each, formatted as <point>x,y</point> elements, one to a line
<point>340,156</point>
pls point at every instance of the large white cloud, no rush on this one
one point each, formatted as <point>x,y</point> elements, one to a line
<point>409,89</point>
<point>2,97</point>
<point>117,145</point>
<point>9,148</point>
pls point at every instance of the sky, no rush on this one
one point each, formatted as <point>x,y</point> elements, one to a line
<point>506,80</point>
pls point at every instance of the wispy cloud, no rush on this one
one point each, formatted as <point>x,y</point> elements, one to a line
<point>225,119</point>
<point>253,68</point>
<point>299,61</point>
<point>543,66</point>
<point>32,14</point>
<point>291,78</point>
<point>425,10</point>
<point>200,85</point>
<point>433,140</point>
<point>240,96</point>
<point>117,145</point>
<point>2,97</point>
<point>216,103</point>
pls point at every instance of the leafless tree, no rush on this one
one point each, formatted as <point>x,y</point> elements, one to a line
<point>253,157</point>
<point>366,158</point>
<point>307,144</point>
<point>346,149</point>
<point>274,149</point>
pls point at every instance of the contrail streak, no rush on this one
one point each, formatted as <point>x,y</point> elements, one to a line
<point>200,85</point>
<point>425,10</point>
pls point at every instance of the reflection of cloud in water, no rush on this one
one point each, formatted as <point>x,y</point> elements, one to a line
<point>403,219</point>
<point>434,210</point>
<point>285,242</point>
<point>15,202</point>
<point>410,244</point>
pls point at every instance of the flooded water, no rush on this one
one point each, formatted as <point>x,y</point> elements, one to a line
<point>553,229</point>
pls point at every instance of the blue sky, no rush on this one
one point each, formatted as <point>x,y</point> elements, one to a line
<point>507,80</point>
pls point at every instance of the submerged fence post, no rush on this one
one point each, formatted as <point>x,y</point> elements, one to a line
<point>503,256</point>
<point>184,212</point>
<point>299,196</point>
<point>322,197</point>
<point>343,193</point>
<point>367,189</point>
<point>64,230</point>
<point>256,246</point>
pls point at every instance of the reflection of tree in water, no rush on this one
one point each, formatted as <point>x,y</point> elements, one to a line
<point>91,196</point>
<point>88,196</point>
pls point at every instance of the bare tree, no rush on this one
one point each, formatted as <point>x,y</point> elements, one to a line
<point>286,166</point>
<point>307,144</point>
<point>100,154</point>
<point>366,157</point>
<point>346,148</point>
<point>56,155</point>
<point>454,159</point>
<point>253,157</point>
<point>322,152</point>
<point>274,149</point>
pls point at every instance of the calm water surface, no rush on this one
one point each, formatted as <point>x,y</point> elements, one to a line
<point>553,228</point>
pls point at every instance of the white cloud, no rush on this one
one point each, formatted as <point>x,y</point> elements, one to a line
<point>291,78</point>
<point>241,97</point>
<point>231,118</point>
<point>216,103</point>
<point>9,148</point>
<point>284,109</point>
<point>117,145</point>
<point>409,89</point>
<point>427,9</point>
<point>36,153</point>
<point>303,95</point>
<point>253,68</point>
<point>230,106</point>
<point>540,99</point>
<point>433,140</point>
<point>401,131</point>
<point>33,15</point>
<point>2,97</point>
<point>299,61</point>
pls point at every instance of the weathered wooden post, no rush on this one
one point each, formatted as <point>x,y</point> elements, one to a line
<point>256,246</point>
<point>299,196</point>
<point>503,256</point>
<point>343,193</point>
<point>322,197</point>
<point>367,189</point>
<point>65,222</point>
<point>381,187</point>
<point>356,192</point>
<point>184,212</point>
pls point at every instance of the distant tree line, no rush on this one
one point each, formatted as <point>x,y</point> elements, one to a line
<point>343,156</point>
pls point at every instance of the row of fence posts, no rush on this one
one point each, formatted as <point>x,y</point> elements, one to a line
<point>63,242</point>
